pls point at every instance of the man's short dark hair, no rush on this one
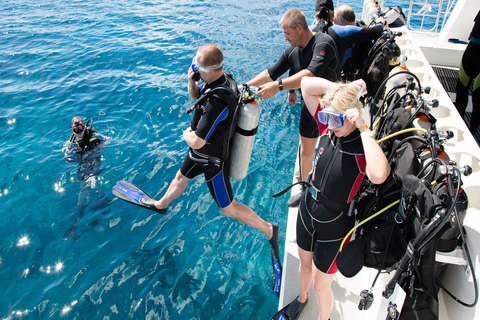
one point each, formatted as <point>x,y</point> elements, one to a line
<point>323,3</point>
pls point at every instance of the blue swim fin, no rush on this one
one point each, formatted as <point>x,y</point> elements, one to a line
<point>280,315</point>
<point>131,193</point>
<point>276,264</point>
<point>291,311</point>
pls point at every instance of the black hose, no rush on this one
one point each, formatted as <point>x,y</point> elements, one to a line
<point>397,102</point>
<point>467,253</point>
<point>408,256</point>
<point>382,85</point>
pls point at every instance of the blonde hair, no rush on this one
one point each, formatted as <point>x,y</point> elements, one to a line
<point>76,120</point>
<point>342,98</point>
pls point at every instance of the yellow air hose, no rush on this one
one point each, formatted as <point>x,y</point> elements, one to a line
<point>392,204</point>
<point>366,220</point>
<point>399,133</point>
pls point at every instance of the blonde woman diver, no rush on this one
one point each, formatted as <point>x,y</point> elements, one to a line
<point>346,152</point>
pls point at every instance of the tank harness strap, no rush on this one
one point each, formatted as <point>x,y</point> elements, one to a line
<point>281,193</point>
<point>198,101</point>
<point>231,101</point>
<point>317,196</point>
<point>247,133</point>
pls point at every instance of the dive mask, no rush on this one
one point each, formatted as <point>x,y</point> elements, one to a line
<point>78,128</point>
<point>337,119</point>
<point>196,68</point>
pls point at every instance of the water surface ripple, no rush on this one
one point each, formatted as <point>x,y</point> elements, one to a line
<point>124,65</point>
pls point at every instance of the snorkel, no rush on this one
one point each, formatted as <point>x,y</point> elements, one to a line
<point>196,74</point>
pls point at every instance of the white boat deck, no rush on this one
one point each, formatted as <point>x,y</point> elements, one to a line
<point>464,150</point>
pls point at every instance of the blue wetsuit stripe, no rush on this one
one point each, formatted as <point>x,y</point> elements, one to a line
<point>220,118</point>
<point>221,191</point>
<point>344,31</point>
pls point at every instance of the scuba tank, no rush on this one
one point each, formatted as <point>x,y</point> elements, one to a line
<point>370,11</point>
<point>242,144</point>
<point>398,80</point>
<point>243,126</point>
<point>394,17</point>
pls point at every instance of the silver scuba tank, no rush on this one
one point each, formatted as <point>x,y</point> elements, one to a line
<point>397,80</point>
<point>242,145</point>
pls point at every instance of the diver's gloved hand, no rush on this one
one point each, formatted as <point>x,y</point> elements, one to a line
<point>91,182</point>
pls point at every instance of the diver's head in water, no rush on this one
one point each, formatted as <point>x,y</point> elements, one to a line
<point>78,127</point>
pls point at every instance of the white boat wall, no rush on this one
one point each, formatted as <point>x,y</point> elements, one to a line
<point>425,50</point>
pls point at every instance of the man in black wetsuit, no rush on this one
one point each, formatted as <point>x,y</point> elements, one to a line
<point>207,137</point>
<point>310,55</point>
<point>346,33</point>
<point>468,73</point>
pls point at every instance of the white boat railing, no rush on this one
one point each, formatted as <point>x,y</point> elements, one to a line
<point>426,15</point>
<point>429,15</point>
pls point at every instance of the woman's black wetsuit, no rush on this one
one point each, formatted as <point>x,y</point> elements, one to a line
<point>323,221</point>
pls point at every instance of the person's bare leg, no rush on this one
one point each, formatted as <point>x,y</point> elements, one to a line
<point>176,188</point>
<point>304,272</point>
<point>247,216</point>
<point>322,283</point>
<point>307,151</point>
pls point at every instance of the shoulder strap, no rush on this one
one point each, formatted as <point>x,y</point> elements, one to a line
<point>225,94</point>
<point>228,94</point>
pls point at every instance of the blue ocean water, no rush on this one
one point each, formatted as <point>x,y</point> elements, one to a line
<point>124,65</point>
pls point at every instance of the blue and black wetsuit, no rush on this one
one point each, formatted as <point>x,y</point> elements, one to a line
<point>469,71</point>
<point>320,57</point>
<point>346,36</point>
<point>211,122</point>
<point>323,221</point>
